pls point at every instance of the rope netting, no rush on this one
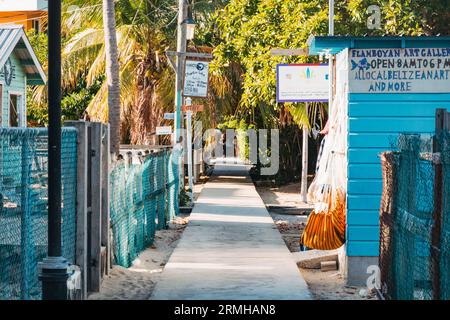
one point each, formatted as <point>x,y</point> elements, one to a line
<point>144,198</point>
<point>23,210</point>
<point>415,229</point>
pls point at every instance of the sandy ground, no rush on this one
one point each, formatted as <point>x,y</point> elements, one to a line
<point>287,196</point>
<point>138,281</point>
<point>290,216</point>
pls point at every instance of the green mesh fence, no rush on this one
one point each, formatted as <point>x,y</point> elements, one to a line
<point>445,234</point>
<point>144,198</point>
<point>23,210</point>
<point>415,234</point>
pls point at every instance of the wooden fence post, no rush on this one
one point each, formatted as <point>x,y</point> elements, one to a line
<point>441,115</point>
<point>81,254</point>
<point>96,206</point>
<point>106,160</point>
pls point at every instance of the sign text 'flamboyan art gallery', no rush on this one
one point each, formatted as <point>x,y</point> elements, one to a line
<point>412,70</point>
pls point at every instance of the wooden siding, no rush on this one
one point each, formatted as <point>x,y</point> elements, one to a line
<point>374,121</point>
<point>17,86</point>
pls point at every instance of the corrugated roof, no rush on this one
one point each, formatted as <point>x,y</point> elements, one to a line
<point>14,39</point>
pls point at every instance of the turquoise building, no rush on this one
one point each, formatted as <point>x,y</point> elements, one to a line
<point>391,85</point>
<point>19,67</point>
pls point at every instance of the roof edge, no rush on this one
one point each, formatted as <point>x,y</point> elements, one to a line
<point>335,44</point>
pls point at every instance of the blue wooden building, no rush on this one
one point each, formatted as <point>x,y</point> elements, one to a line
<point>19,67</point>
<point>391,85</point>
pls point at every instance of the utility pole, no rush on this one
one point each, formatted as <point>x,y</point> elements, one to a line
<point>53,269</point>
<point>331,17</point>
<point>330,60</point>
<point>304,183</point>
<point>179,64</point>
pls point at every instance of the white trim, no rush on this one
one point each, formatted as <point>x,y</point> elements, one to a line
<point>33,57</point>
<point>11,45</point>
<point>20,108</point>
<point>24,104</point>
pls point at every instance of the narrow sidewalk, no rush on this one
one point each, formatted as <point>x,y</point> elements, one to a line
<point>231,249</point>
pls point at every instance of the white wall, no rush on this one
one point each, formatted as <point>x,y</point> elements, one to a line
<point>23,5</point>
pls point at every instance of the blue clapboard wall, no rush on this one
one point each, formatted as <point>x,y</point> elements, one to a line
<point>375,120</point>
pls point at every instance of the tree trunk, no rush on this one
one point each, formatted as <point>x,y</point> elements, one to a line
<point>112,73</point>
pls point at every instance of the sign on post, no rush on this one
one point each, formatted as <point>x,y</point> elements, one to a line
<point>162,131</point>
<point>193,108</point>
<point>169,116</point>
<point>196,79</point>
<point>302,83</point>
<point>411,70</point>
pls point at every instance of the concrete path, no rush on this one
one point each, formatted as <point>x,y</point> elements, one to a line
<point>231,248</point>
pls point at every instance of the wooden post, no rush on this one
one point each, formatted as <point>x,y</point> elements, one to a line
<point>96,207</point>
<point>304,182</point>
<point>106,161</point>
<point>441,115</point>
<point>81,254</point>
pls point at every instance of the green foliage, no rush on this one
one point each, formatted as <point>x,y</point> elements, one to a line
<point>73,103</point>
<point>185,198</point>
<point>249,29</point>
<point>39,42</point>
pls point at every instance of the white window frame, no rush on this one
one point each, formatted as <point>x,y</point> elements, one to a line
<point>20,107</point>
<point>38,20</point>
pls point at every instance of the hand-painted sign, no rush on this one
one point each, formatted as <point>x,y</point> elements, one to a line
<point>302,82</point>
<point>162,131</point>
<point>193,108</point>
<point>410,70</point>
<point>196,79</point>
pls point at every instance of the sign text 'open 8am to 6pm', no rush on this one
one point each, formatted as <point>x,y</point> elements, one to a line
<point>410,70</point>
<point>302,82</point>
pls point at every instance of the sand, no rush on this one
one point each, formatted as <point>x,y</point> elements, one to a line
<point>138,281</point>
<point>323,285</point>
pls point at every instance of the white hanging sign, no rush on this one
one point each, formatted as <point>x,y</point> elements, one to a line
<point>302,83</point>
<point>196,79</point>
<point>410,70</point>
<point>162,131</point>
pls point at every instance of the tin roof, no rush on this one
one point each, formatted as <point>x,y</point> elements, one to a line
<point>14,39</point>
<point>335,44</point>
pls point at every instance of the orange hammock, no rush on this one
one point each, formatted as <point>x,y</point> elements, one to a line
<point>326,226</point>
<point>325,230</point>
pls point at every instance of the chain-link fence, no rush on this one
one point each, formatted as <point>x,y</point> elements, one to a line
<point>23,209</point>
<point>144,198</point>
<point>415,219</point>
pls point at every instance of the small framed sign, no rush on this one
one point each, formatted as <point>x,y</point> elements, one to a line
<point>163,131</point>
<point>302,83</point>
<point>196,79</point>
<point>169,116</point>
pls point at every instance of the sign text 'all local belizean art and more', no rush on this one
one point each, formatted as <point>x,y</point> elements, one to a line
<point>410,70</point>
<point>302,82</point>
<point>196,79</point>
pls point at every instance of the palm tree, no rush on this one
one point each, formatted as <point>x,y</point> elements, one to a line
<point>145,29</point>
<point>112,73</point>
